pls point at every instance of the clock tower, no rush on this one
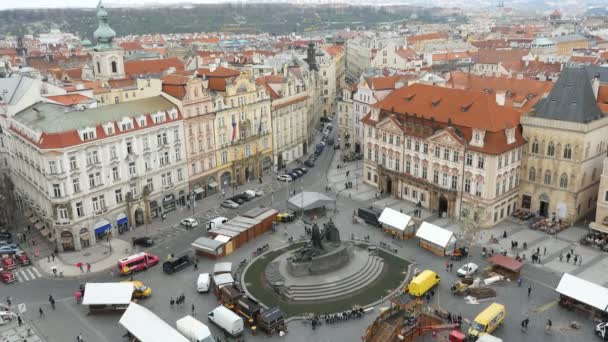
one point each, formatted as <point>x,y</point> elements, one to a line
<point>108,58</point>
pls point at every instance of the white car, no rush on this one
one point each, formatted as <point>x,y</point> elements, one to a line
<point>467,270</point>
<point>249,193</point>
<point>259,193</point>
<point>229,204</point>
<point>285,178</point>
<point>189,222</point>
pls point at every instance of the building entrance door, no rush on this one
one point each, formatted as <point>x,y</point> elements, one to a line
<point>389,185</point>
<point>443,205</point>
<point>544,208</point>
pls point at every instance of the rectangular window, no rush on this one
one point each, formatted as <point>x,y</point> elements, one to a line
<point>145,142</point>
<point>500,162</point>
<point>79,209</point>
<point>444,179</point>
<point>408,165</point>
<point>417,145</point>
<point>455,156</point>
<point>129,147</point>
<point>478,189</point>
<point>113,152</point>
<point>467,186</point>
<point>425,148</point>
<point>98,178</point>
<point>56,190</point>
<point>369,154</point>
<point>414,194</point>
<point>437,152</point>
<point>73,165</point>
<point>408,144</point>
<point>406,191</point>
<point>180,175</point>
<point>424,171</point>
<point>132,169</point>
<point>397,165</point>
<point>436,176</point>
<point>53,167</point>
<point>118,195</point>
<point>497,189</point>
<point>95,204</point>
<point>133,189</point>
<point>115,174</point>
<point>397,140</point>
<point>469,160</point>
<point>416,170</point>
<point>76,184</point>
<point>422,197</point>
<point>150,184</point>
<point>446,154</point>
<point>91,180</point>
<point>480,162</point>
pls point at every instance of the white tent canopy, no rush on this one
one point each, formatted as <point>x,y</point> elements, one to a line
<point>435,234</point>
<point>107,293</point>
<point>583,291</point>
<point>307,200</point>
<point>147,327</point>
<point>394,219</point>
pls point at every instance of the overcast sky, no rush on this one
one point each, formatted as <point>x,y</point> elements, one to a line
<point>11,4</point>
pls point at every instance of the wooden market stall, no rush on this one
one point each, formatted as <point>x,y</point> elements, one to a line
<point>506,266</point>
<point>144,326</point>
<point>397,224</point>
<point>435,239</point>
<point>210,248</point>
<point>266,216</point>
<point>582,295</point>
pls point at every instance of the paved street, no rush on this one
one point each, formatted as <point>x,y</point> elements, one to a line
<point>70,319</point>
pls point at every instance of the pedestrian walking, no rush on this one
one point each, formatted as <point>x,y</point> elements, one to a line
<point>544,250</point>
<point>529,290</point>
<point>575,259</point>
<point>580,260</point>
<point>447,265</point>
<point>79,265</point>
<point>520,281</point>
<point>193,313</point>
<point>88,267</point>
<point>195,265</point>
<point>504,234</point>
<point>451,267</point>
<point>9,301</point>
<point>548,326</point>
<point>561,257</point>
<point>52,301</point>
<point>79,338</point>
<point>568,258</point>
<point>19,320</point>
<point>52,256</point>
<point>41,312</point>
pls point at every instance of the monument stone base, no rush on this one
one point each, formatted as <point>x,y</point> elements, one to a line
<point>328,262</point>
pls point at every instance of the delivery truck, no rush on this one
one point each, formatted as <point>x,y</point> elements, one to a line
<point>193,329</point>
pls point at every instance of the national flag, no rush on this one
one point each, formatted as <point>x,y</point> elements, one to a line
<point>233,129</point>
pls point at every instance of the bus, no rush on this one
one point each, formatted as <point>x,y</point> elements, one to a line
<point>136,262</point>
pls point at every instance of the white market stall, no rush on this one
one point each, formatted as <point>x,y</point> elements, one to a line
<point>435,239</point>
<point>397,224</point>
<point>581,294</point>
<point>107,296</point>
<point>145,326</point>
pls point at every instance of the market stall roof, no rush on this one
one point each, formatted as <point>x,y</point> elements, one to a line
<point>395,219</point>
<point>506,262</point>
<point>208,244</point>
<point>307,200</point>
<point>222,238</point>
<point>435,234</point>
<point>583,291</point>
<point>222,267</point>
<point>223,279</point>
<point>107,293</point>
<point>147,327</point>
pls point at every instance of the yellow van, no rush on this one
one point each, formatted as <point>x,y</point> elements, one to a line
<point>139,289</point>
<point>488,320</point>
<point>422,283</point>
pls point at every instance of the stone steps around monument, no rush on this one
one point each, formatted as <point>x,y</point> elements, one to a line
<point>351,284</point>
<point>369,264</point>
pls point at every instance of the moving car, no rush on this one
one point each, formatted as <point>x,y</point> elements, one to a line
<point>370,216</point>
<point>189,222</point>
<point>259,193</point>
<point>23,259</point>
<point>487,321</point>
<point>309,163</point>
<point>136,262</point>
<point>286,216</point>
<point>8,263</point>
<point>143,241</point>
<point>422,283</point>
<point>139,289</point>
<point>229,204</point>
<point>284,178</point>
<point>172,266</point>
<point>9,249</point>
<point>467,269</point>
<point>6,276</point>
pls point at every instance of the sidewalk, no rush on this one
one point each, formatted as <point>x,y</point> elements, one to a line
<point>12,332</point>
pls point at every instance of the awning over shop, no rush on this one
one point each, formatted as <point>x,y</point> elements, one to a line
<point>435,234</point>
<point>307,200</point>
<point>102,226</point>
<point>145,326</point>
<point>394,219</point>
<point>198,190</point>
<point>207,244</point>
<point>506,262</point>
<point>212,185</point>
<point>38,225</point>
<point>583,291</point>
<point>122,219</point>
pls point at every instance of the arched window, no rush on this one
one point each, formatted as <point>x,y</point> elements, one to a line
<point>114,67</point>
<point>551,149</point>
<point>563,181</point>
<point>532,174</point>
<point>98,68</point>
<point>535,146</point>
<point>568,152</point>
<point>548,177</point>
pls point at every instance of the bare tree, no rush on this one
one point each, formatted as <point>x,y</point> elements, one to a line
<point>470,223</point>
<point>9,205</point>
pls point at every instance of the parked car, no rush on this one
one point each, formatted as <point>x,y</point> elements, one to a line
<point>286,216</point>
<point>143,241</point>
<point>303,169</point>
<point>8,263</point>
<point>189,222</point>
<point>237,199</point>
<point>309,163</point>
<point>229,204</point>
<point>259,192</point>
<point>285,178</point>
<point>467,269</point>
<point>140,290</point>
<point>172,266</point>
<point>5,234</point>
<point>298,172</point>
<point>249,193</point>
<point>9,249</point>
<point>4,242</point>
<point>293,175</point>
<point>23,259</point>
<point>243,196</point>
<point>6,276</point>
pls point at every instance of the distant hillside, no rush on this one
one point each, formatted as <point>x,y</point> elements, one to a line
<point>274,18</point>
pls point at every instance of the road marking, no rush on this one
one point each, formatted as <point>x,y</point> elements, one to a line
<point>23,275</point>
<point>36,271</point>
<point>546,306</point>
<point>30,273</point>
<point>19,279</point>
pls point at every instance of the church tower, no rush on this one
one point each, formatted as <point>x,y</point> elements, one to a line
<point>108,58</point>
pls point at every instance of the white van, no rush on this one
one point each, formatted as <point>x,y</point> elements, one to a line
<point>227,320</point>
<point>193,329</point>
<point>203,282</point>
<point>214,223</point>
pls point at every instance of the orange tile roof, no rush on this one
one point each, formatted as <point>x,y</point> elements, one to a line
<point>265,81</point>
<point>428,36</point>
<point>70,99</point>
<point>387,82</point>
<point>499,56</point>
<point>131,46</point>
<point>407,53</point>
<point>122,83</point>
<point>585,59</point>
<point>334,50</point>
<point>152,66</point>
<point>450,56</point>
<point>218,72</point>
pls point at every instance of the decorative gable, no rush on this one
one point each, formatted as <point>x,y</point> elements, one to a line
<point>510,135</point>
<point>445,138</point>
<point>389,124</point>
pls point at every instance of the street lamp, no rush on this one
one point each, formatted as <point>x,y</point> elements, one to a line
<point>192,200</point>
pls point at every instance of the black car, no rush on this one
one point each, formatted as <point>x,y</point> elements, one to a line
<point>309,163</point>
<point>300,173</point>
<point>301,169</point>
<point>5,234</point>
<point>294,175</point>
<point>143,241</point>
<point>237,199</point>
<point>178,264</point>
<point>244,197</point>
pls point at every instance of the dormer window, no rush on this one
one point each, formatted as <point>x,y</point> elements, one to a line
<point>110,130</point>
<point>88,135</point>
<point>125,126</point>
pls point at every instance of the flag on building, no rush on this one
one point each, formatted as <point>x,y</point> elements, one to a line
<point>233,129</point>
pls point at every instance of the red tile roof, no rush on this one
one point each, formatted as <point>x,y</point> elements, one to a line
<point>407,53</point>
<point>424,37</point>
<point>122,83</point>
<point>70,99</point>
<point>152,66</point>
<point>218,72</point>
<point>131,46</point>
<point>334,50</point>
<point>388,82</point>
<point>265,82</point>
<point>499,56</point>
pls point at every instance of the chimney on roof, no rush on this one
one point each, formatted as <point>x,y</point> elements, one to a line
<point>500,98</point>
<point>205,82</point>
<point>212,67</point>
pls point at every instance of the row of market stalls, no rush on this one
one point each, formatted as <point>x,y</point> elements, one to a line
<point>582,295</point>
<point>145,326</point>
<point>226,237</point>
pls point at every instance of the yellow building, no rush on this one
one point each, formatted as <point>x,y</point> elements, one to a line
<point>565,44</point>
<point>562,163</point>
<point>243,129</point>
